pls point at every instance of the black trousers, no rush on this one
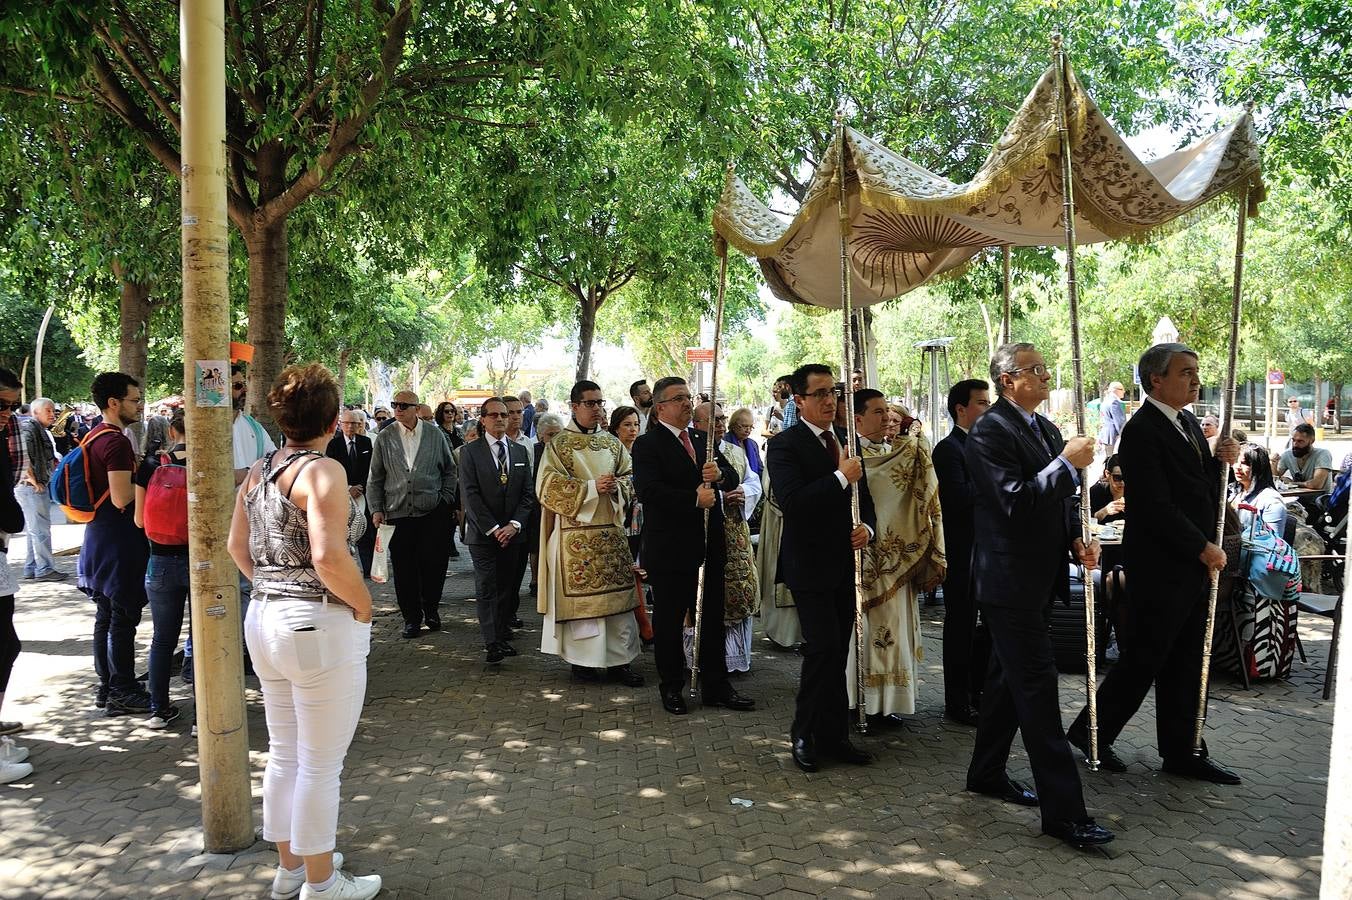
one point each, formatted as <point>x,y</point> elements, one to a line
<point>496,587</point>
<point>419,551</point>
<point>823,708</point>
<point>366,547</point>
<point>1021,695</point>
<point>967,648</point>
<point>9,641</point>
<point>674,596</point>
<point>1165,651</point>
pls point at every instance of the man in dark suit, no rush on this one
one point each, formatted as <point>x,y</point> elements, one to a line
<point>812,479</point>
<point>353,450</point>
<point>676,486</point>
<point>1173,491</point>
<point>499,493</point>
<point>1024,479</point>
<point>965,654</point>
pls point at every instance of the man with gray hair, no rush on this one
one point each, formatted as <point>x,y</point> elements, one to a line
<point>1173,492</point>
<point>1112,416</point>
<point>1024,480</point>
<point>31,491</point>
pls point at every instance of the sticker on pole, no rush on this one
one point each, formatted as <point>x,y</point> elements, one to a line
<point>1276,378</point>
<point>212,383</point>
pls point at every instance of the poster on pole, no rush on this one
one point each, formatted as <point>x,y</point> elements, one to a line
<point>211,383</point>
<point>699,355</point>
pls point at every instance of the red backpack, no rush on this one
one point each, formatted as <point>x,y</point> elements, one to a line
<point>166,512</point>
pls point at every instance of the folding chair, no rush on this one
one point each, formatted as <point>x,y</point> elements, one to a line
<point>1330,606</point>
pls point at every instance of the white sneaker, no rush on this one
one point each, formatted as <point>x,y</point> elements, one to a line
<point>11,752</point>
<point>347,887</point>
<point>16,771</point>
<point>285,885</point>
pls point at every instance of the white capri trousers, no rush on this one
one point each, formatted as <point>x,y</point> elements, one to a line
<point>311,659</point>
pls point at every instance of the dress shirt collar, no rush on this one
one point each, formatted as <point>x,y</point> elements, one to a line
<point>673,429</point>
<point>816,432</point>
<point>1169,412</point>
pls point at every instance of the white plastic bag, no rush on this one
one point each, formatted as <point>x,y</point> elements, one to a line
<point>380,561</point>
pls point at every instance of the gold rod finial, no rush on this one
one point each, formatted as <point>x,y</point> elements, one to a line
<point>1056,41</point>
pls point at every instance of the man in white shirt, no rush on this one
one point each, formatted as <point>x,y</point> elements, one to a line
<point>248,440</point>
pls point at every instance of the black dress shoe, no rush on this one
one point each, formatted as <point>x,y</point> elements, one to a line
<point>674,703</point>
<point>804,755</point>
<point>885,722</point>
<point>507,649</point>
<point>625,676</point>
<point>730,699</point>
<point>846,752</point>
<point>1081,834</point>
<point>1108,758</point>
<point>411,631</point>
<point>1007,790</point>
<point>433,623</point>
<point>517,623</point>
<point>494,654</point>
<point>585,673</point>
<point>1202,768</point>
<point>963,715</point>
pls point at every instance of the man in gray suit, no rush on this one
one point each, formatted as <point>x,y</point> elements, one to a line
<point>412,487</point>
<point>498,493</point>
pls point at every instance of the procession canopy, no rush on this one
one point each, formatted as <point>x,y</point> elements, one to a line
<point>908,225</point>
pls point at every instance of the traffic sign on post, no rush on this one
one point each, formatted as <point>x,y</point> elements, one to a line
<point>699,355</point>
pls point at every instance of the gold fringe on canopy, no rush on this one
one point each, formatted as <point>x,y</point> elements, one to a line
<point>909,226</point>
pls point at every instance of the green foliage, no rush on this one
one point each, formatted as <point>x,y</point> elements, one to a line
<point>65,375</point>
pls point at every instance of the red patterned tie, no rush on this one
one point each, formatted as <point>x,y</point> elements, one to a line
<point>689,447</point>
<point>832,447</point>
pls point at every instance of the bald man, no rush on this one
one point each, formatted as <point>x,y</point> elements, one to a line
<point>412,487</point>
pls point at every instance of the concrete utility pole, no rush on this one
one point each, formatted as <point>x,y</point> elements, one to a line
<point>222,738</point>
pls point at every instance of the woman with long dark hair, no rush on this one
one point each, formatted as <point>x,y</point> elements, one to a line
<point>1257,488</point>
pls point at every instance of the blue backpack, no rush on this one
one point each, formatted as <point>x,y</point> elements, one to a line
<point>70,481</point>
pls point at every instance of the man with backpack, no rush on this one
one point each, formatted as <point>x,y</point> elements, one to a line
<point>162,510</point>
<point>94,484</point>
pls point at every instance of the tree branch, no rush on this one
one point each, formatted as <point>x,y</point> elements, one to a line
<point>152,91</point>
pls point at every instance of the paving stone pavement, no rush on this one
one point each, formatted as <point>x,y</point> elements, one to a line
<point>466,780</point>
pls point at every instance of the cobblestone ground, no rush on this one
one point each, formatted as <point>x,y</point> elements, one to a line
<point>472,781</point>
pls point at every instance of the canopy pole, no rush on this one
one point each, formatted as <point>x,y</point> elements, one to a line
<point>847,364</point>
<point>1227,411</point>
<point>721,248</point>
<point>1005,254</point>
<point>1072,295</point>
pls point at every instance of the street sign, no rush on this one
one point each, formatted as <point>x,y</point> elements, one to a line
<point>1276,378</point>
<point>699,355</point>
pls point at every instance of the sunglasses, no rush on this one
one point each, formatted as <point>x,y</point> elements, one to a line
<point>493,415</point>
<point>401,405</point>
<point>237,385</point>
<point>5,406</point>
<point>1117,476</point>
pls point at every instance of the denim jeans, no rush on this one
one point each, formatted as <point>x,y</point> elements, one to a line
<point>245,591</point>
<point>167,588</point>
<point>311,661</point>
<point>37,517</point>
<point>115,622</point>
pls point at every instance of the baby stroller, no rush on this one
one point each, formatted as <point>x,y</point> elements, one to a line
<point>1255,634</point>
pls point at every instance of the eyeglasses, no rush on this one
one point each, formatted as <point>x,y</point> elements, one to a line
<point>1117,476</point>
<point>822,394</point>
<point>679,398</point>
<point>493,415</point>
<point>401,405</point>
<point>381,418</point>
<point>1039,370</point>
<point>591,404</point>
<point>6,407</point>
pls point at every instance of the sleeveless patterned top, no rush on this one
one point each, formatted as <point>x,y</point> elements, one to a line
<point>279,537</point>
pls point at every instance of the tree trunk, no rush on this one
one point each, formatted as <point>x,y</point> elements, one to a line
<point>587,306</point>
<point>1253,408</point>
<point>1337,407</point>
<point>134,309</point>
<point>268,267</point>
<point>1317,407</point>
<point>342,372</point>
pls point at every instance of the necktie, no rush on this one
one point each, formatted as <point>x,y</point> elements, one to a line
<point>351,449</point>
<point>502,461</point>
<point>829,441</point>
<point>689,447</point>
<point>1183,427</point>
<point>1041,438</point>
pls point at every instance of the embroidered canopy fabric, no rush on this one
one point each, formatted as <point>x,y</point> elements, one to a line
<point>909,225</point>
